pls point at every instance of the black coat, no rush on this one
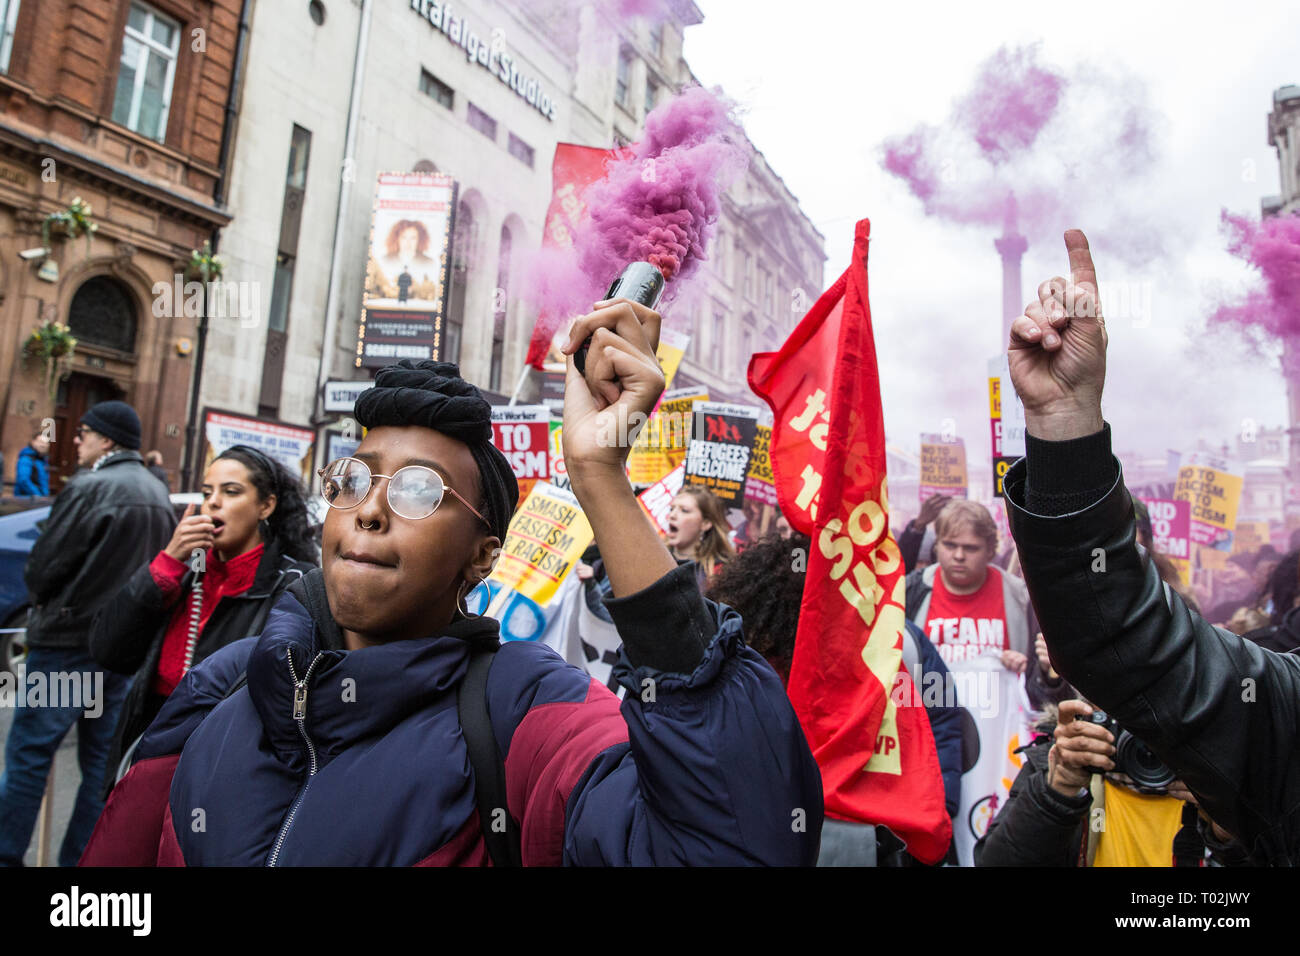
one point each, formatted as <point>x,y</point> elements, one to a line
<point>101,527</point>
<point>127,634</point>
<point>1036,826</point>
<point>1221,711</point>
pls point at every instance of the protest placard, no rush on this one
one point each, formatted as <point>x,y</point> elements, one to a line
<point>522,433</point>
<point>722,439</point>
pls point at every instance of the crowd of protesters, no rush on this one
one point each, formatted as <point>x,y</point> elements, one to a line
<point>278,688</point>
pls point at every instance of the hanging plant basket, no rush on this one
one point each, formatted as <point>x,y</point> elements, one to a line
<point>52,344</point>
<point>70,223</point>
<point>203,265</point>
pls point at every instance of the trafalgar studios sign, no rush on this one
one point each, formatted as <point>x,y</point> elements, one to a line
<point>487,52</point>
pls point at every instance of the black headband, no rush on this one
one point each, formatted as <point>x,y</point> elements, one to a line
<point>433,395</point>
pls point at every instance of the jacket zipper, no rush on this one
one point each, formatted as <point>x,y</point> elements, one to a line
<point>300,717</point>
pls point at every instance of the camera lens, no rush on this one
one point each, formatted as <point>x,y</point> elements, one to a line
<point>1134,758</point>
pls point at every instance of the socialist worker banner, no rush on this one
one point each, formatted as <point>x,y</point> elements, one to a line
<point>877,758</point>
<point>523,434</point>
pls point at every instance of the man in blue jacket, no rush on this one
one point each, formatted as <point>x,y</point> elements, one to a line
<point>345,743</point>
<point>32,476</point>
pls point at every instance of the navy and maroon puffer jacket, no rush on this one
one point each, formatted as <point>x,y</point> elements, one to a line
<point>369,768</point>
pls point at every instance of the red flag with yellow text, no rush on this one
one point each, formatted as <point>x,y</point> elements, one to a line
<point>573,169</point>
<point>856,702</point>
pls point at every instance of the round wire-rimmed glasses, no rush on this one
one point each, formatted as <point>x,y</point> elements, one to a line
<point>414,492</point>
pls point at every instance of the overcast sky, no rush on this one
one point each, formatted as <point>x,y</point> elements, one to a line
<point>822,84</point>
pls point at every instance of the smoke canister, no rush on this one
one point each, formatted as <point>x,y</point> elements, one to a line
<point>640,282</point>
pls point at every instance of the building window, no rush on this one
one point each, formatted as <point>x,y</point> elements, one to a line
<point>281,286</point>
<point>749,276</point>
<point>501,300</point>
<point>716,335</point>
<point>102,314</point>
<point>623,84</point>
<point>657,39</point>
<point>651,95</point>
<point>440,91</point>
<point>521,150</point>
<point>146,72</point>
<point>769,293</point>
<point>482,122</point>
<point>299,150</point>
<point>8,21</point>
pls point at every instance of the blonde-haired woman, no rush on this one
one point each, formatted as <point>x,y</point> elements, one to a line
<point>698,530</point>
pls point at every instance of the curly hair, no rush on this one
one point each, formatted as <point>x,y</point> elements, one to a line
<point>288,527</point>
<point>393,243</point>
<point>764,583</point>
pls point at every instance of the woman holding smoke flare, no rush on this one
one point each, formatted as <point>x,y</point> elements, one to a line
<point>347,744</point>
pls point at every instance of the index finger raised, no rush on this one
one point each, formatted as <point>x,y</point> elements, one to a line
<point>1081,268</point>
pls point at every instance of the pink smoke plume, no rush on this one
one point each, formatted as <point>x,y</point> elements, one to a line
<point>1270,312</point>
<point>658,205</point>
<point>1049,139</point>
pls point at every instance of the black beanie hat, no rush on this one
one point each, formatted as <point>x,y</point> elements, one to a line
<point>433,395</point>
<point>115,420</point>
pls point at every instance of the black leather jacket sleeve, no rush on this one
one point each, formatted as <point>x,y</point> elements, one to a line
<point>1221,711</point>
<point>64,543</point>
<point>126,626</point>
<point>1036,826</point>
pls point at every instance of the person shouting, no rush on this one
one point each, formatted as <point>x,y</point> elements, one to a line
<point>253,540</point>
<point>697,530</point>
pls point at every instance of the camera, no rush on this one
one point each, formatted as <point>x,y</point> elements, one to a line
<point>1133,758</point>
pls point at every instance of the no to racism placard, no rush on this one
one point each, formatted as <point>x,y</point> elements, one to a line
<point>943,467</point>
<point>522,433</point>
<point>1213,489</point>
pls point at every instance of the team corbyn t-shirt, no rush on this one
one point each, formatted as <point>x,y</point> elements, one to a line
<point>964,626</point>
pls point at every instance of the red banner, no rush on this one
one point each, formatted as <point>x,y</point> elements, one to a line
<point>847,682</point>
<point>572,171</point>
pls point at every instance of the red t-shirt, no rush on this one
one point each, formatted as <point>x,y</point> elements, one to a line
<point>222,579</point>
<point>963,626</point>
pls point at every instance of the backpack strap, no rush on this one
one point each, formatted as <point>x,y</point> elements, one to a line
<point>500,831</point>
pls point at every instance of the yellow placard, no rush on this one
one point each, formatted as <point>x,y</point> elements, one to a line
<point>760,461</point>
<point>943,467</point>
<point>672,346</point>
<point>661,445</point>
<point>547,535</point>
<point>1214,495</point>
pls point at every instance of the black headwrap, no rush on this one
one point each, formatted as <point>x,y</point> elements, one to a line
<point>433,395</point>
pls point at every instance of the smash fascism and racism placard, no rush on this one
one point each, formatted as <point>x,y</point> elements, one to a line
<point>661,445</point>
<point>547,535</point>
<point>1214,491</point>
<point>522,433</point>
<point>943,467</point>
<point>722,438</point>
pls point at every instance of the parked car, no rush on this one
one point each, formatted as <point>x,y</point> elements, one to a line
<point>20,524</point>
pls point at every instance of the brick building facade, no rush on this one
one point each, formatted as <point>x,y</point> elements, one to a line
<point>121,104</point>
